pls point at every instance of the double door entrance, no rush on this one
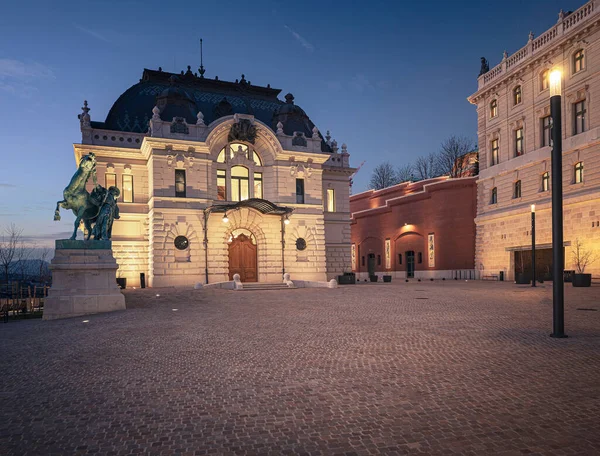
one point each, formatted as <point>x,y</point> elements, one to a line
<point>242,259</point>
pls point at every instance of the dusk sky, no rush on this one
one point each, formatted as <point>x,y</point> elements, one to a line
<point>388,78</point>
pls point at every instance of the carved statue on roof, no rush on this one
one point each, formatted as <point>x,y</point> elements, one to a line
<point>485,66</point>
<point>242,131</point>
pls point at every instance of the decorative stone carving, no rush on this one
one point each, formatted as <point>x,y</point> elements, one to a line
<point>200,117</point>
<point>328,137</point>
<point>315,133</point>
<point>485,66</point>
<point>334,146</point>
<point>84,117</point>
<point>344,149</point>
<point>299,139</point>
<point>279,128</point>
<point>531,36</point>
<point>155,113</point>
<point>179,126</point>
<point>243,130</point>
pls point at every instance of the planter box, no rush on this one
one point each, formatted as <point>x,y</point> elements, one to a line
<point>522,279</point>
<point>387,278</point>
<point>346,279</point>
<point>582,280</point>
<point>373,278</point>
<point>122,282</point>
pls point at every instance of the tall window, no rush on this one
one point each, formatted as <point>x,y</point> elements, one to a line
<point>399,258</point>
<point>545,79</point>
<point>517,95</point>
<point>578,168</point>
<point>519,142</point>
<point>239,183</point>
<point>221,185</point>
<point>110,180</point>
<point>330,200</point>
<point>517,190</point>
<point>578,61</point>
<point>546,131</point>
<point>579,117</point>
<point>180,183</point>
<point>494,198</point>
<point>127,188</point>
<point>546,181</point>
<point>495,150</point>
<point>300,191</point>
<point>494,108</point>
<point>258,185</point>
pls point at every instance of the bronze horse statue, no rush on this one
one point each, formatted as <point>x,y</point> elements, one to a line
<point>84,205</point>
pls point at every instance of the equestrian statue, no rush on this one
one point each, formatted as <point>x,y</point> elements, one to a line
<point>98,207</point>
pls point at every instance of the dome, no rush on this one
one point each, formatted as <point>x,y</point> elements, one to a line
<point>185,95</point>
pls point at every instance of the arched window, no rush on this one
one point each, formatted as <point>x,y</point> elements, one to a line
<point>494,108</point>
<point>239,173</point>
<point>494,198</point>
<point>517,95</point>
<point>578,61</point>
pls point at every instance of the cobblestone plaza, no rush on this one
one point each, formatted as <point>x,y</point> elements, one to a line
<point>418,368</point>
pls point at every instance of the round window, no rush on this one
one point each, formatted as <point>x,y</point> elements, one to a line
<point>181,242</point>
<point>300,244</point>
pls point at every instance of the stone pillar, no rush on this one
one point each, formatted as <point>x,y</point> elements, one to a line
<point>83,280</point>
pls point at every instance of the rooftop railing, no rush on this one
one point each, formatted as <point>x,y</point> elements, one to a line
<point>565,25</point>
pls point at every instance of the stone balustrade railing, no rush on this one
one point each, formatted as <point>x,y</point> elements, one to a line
<point>565,25</point>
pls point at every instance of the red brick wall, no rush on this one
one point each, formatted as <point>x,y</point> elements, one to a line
<point>446,208</point>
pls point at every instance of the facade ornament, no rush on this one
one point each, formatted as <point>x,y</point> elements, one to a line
<point>279,128</point>
<point>200,118</point>
<point>328,138</point>
<point>315,133</point>
<point>344,149</point>
<point>530,36</point>
<point>301,170</point>
<point>243,130</point>
<point>561,15</point>
<point>155,113</point>
<point>485,66</point>
<point>84,117</point>
<point>179,126</point>
<point>170,160</point>
<point>504,55</point>
<point>299,139</point>
<point>334,146</point>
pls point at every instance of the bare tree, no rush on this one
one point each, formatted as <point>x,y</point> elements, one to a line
<point>426,166</point>
<point>582,256</point>
<point>405,173</point>
<point>22,254</point>
<point>453,159</point>
<point>44,254</point>
<point>383,176</point>
<point>10,239</point>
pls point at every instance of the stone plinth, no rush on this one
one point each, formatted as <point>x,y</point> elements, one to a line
<point>83,280</point>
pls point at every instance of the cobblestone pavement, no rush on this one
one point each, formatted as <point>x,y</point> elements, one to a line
<point>442,368</point>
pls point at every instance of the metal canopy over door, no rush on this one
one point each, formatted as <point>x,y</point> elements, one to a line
<point>242,259</point>
<point>410,264</point>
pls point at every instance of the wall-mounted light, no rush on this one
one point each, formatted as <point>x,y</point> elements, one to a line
<point>287,220</point>
<point>405,224</point>
<point>533,208</point>
<point>225,219</point>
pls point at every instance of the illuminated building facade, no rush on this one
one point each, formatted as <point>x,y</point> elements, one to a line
<point>513,110</point>
<point>219,178</point>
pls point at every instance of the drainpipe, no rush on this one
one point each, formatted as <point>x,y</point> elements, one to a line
<point>282,246</point>
<point>206,215</point>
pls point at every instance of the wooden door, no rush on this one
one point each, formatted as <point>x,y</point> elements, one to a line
<point>242,259</point>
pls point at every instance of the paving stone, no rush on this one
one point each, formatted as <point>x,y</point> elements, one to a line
<point>358,370</point>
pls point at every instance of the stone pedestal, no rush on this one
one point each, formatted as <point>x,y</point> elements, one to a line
<point>83,280</point>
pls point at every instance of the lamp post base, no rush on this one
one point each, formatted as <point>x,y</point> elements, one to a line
<point>559,336</point>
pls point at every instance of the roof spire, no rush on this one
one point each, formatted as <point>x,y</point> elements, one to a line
<point>201,70</point>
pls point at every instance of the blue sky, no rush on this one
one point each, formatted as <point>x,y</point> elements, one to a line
<point>388,78</point>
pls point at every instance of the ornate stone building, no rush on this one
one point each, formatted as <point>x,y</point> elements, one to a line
<point>220,178</point>
<point>513,110</point>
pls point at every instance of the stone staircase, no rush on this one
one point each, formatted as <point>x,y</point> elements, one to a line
<point>254,286</point>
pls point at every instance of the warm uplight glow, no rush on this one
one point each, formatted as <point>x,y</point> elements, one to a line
<point>555,80</point>
<point>175,310</point>
<point>225,219</point>
<point>286,221</point>
<point>405,224</point>
<point>157,295</point>
<point>533,208</point>
<point>86,321</point>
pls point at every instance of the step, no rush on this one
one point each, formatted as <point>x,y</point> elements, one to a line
<point>265,286</point>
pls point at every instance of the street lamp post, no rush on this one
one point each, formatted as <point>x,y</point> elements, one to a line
<point>558,256</point>
<point>533,245</point>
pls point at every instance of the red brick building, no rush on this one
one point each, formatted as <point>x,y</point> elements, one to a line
<point>420,229</point>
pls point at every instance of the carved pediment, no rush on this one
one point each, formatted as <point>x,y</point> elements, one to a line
<point>243,130</point>
<point>179,126</point>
